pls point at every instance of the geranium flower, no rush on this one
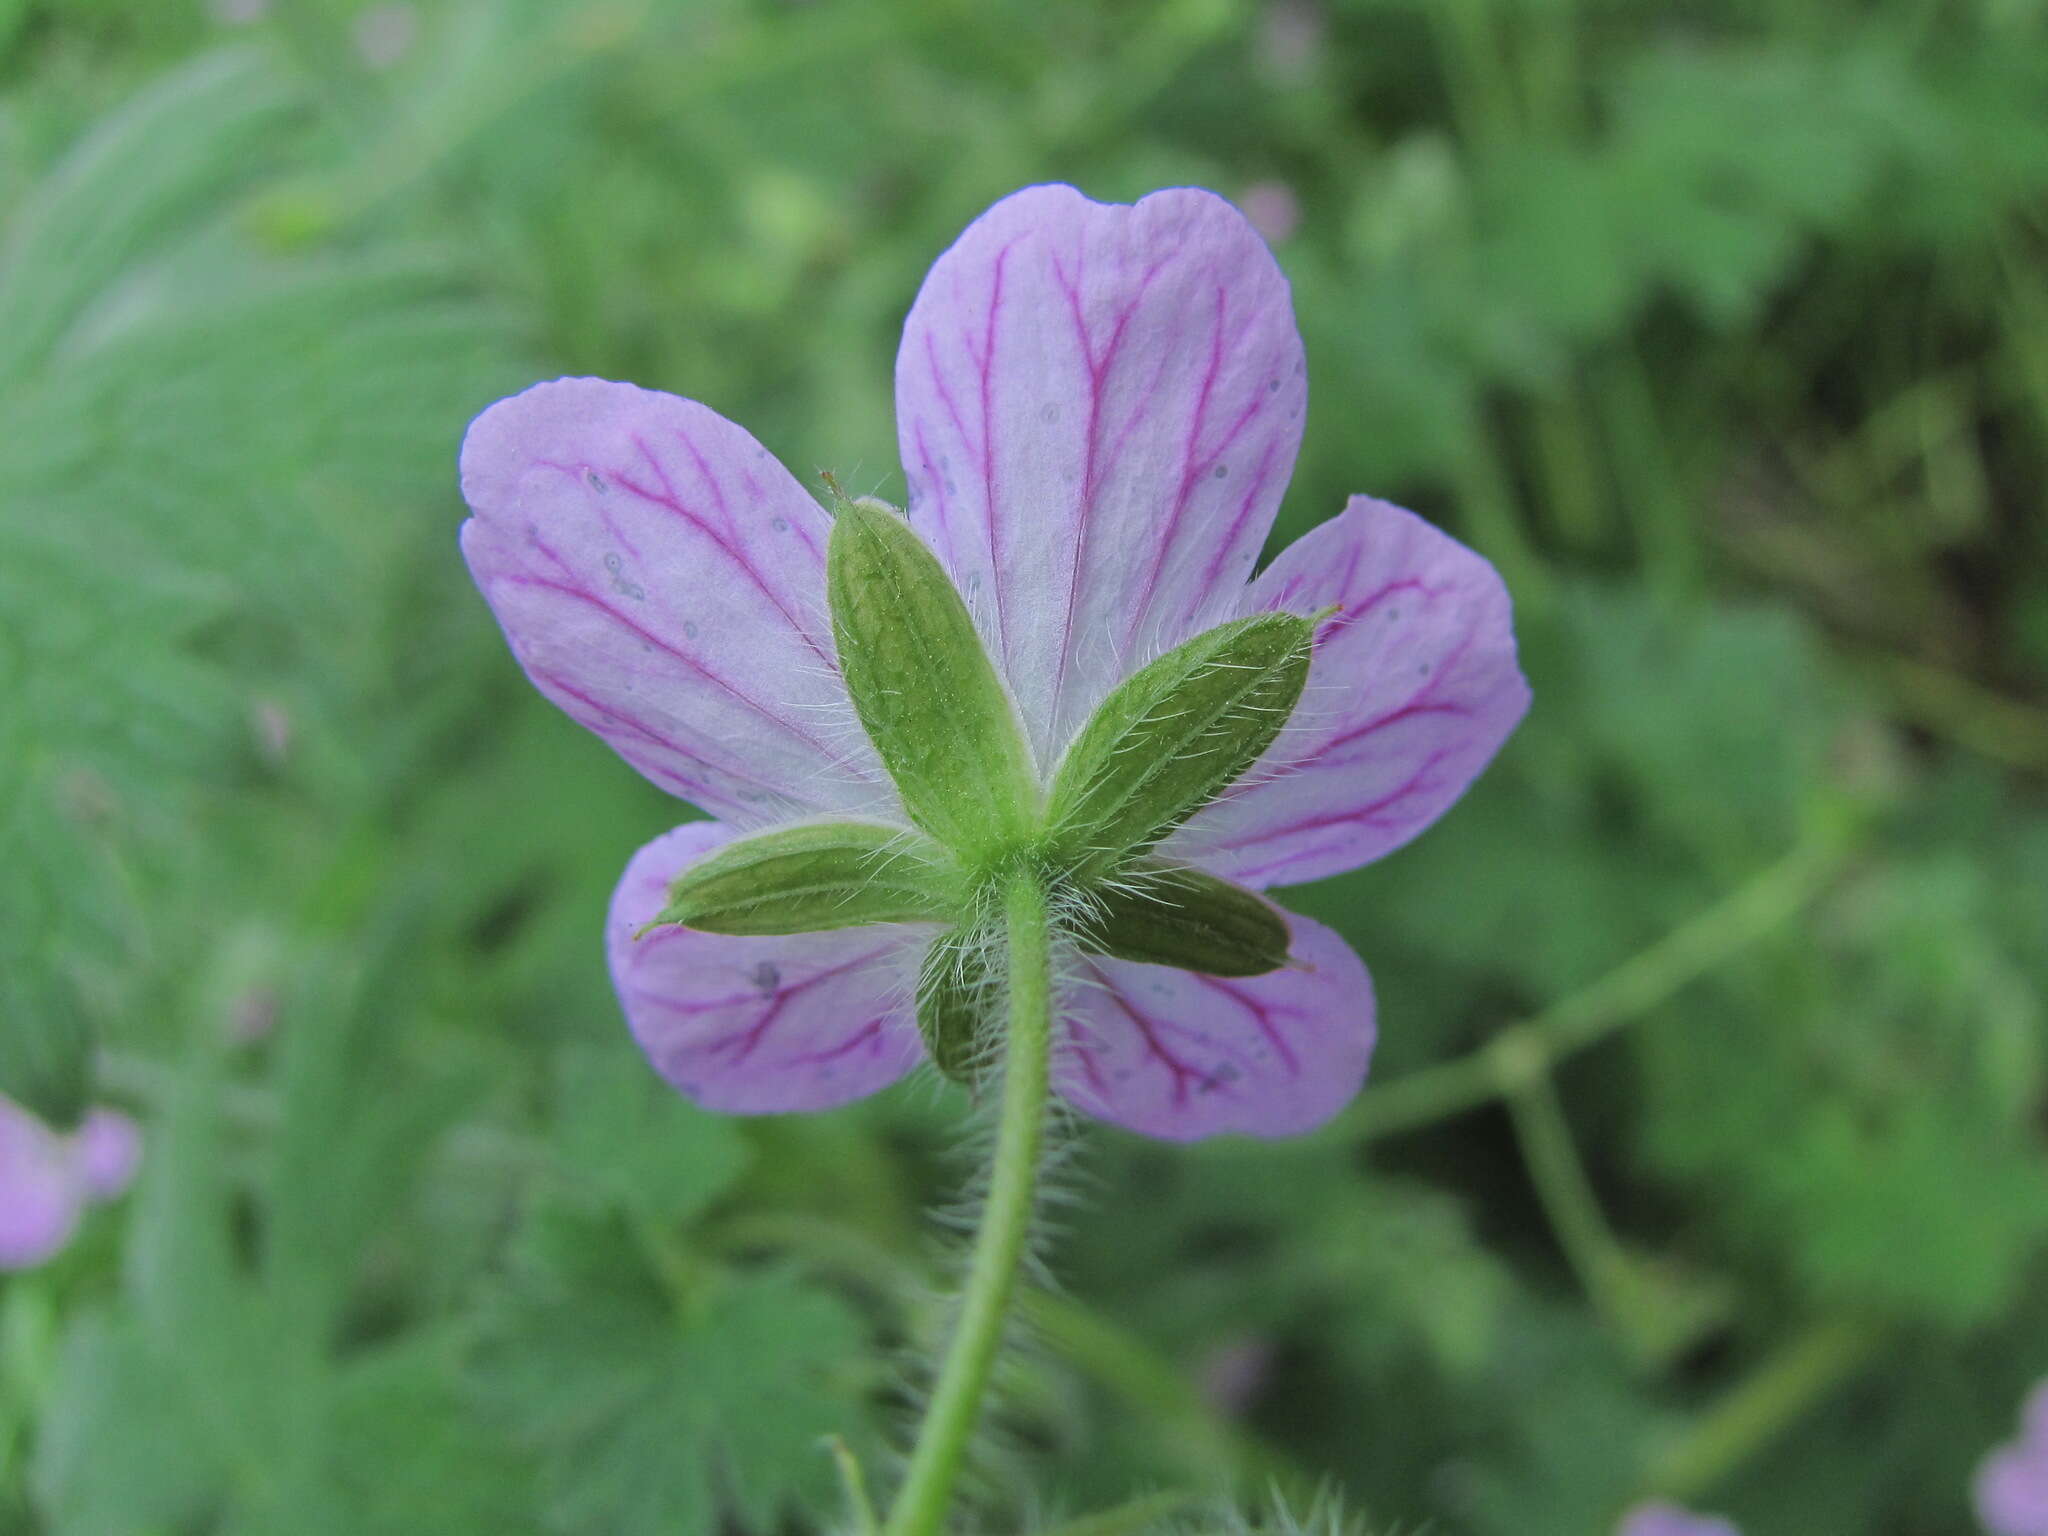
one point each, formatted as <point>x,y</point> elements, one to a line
<point>47,1178</point>
<point>2012,1485</point>
<point>1671,1520</point>
<point>1098,408</point>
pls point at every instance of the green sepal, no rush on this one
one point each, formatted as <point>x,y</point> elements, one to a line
<point>953,993</point>
<point>821,875</point>
<point>923,685</point>
<point>1173,736</point>
<point>1164,914</point>
<point>46,1048</point>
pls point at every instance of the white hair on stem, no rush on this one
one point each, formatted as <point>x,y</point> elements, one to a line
<point>979,952</point>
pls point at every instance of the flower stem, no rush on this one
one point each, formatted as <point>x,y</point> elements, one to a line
<point>1141,1514</point>
<point>1757,1412</point>
<point>1005,1222</point>
<point>1629,992</point>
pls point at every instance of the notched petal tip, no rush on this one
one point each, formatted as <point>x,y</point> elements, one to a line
<point>1098,407</point>
<point>492,448</point>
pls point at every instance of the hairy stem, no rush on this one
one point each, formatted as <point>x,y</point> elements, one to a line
<point>1005,1223</point>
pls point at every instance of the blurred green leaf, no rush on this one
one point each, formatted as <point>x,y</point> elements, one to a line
<point>623,1131</point>
<point>1901,1097</point>
<point>218,1384</point>
<point>642,1416</point>
<point>46,1044</point>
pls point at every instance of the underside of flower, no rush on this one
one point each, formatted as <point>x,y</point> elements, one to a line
<point>1000,779</point>
<point>1056,664</point>
<point>1164,744</point>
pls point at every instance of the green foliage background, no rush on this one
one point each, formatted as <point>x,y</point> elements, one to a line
<point>1705,1152</point>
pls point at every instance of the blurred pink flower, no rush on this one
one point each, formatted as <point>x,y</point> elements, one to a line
<point>1235,1371</point>
<point>47,1178</point>
<point>1670,1520</point>
<point>254,1016</point>
<point>1291,33</point>
<point>384,34</point>
<point>2012,1484</point>
<point>271,724</point>
<point>1274,210</point>
<point>1098,408</point>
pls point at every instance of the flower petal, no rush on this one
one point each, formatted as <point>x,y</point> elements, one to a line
<point>1098,407</point>
<point>661,578</point>
<point>2011,1492</point>
<point>41,1193</point>
<point>109,1150</point>
<point>761,1025</point>
<point>2034,1420</point>
<point>1176,1055</point>
<point>1413,689</point>
<point>1660,1519</point>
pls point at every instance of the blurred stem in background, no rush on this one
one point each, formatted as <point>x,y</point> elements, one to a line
<point>1601,1263</point>
<point>1626,993</point>
<point>1750,1415</point>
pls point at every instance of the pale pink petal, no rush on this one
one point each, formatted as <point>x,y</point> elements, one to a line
<point>1661,1519</point>
<point>1413,689</point>
<point>1273,208</point>
<point>661,578</point>
<point>1098,408</point>
<point>2011,1492</point>
<point>2034,1419</point>
<point>761,1025</point>
<point>41,1192</point>
<point>108,1147</point>
<point>1176,1055</point>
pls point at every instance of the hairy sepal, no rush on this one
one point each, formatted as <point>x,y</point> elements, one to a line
<point>925,690</point>
<point>1173,736</point>
<point>954,993</point>
<point>1162,914</point>
<point>817,876</point>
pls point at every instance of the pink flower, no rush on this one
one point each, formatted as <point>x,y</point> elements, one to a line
<point>385,34</point>
<point>1670,1520</point>
<point>1274,210</point>
<point>2012,1485</point>
<point>1292,35</point>
<point>1235,1372</point>
<point>47,1178</point>
<point>1098,409</point>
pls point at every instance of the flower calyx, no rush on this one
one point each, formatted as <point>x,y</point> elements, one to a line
<point>1164,914</point>
<point>926,692</point>
<point>1174,736</point>
<point>1170,739</point>
<point>816,876</point>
